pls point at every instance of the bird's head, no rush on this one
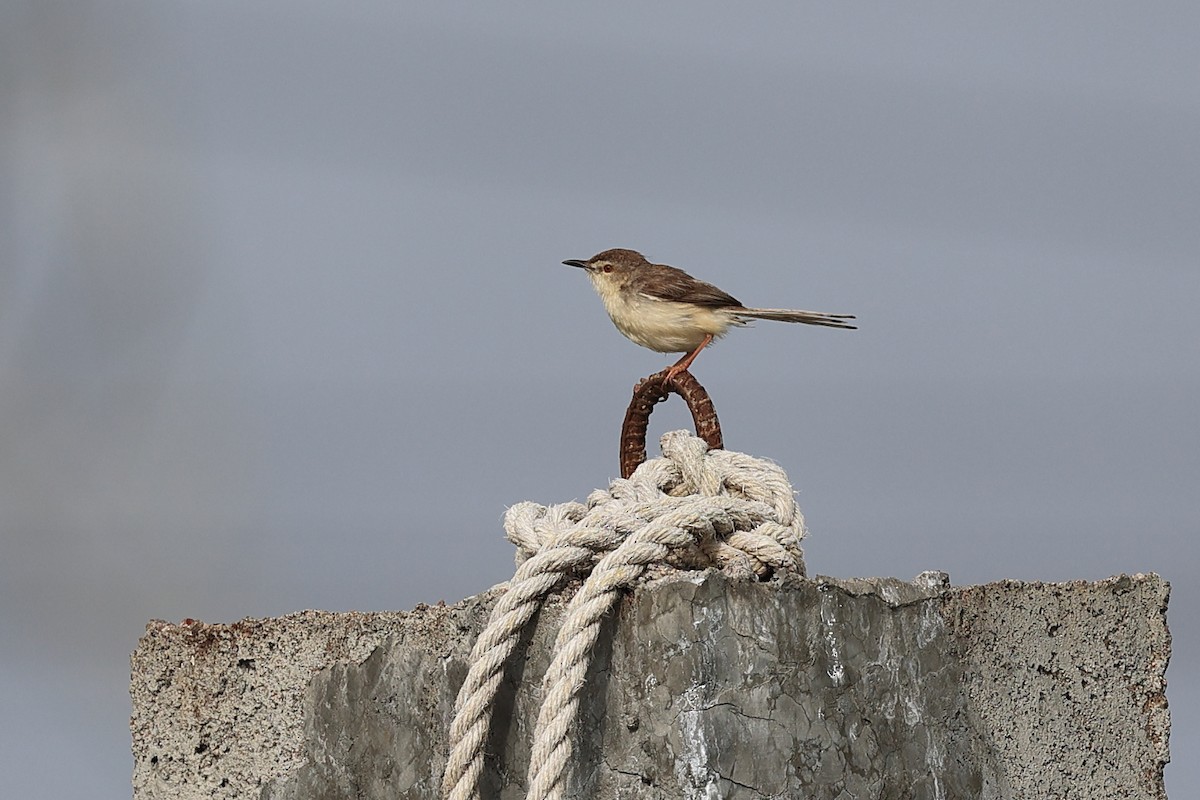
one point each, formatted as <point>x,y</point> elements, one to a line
<point>612,267</point>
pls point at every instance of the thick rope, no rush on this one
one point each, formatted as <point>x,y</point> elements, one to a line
<point>692,509</point>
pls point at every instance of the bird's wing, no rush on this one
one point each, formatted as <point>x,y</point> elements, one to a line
<point>670,283</point>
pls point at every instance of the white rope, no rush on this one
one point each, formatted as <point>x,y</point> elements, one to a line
<point>692,509</point>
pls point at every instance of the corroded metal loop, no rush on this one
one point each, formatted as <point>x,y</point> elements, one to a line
<point>653,390</point>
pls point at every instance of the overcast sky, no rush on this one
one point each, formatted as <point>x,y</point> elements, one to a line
<point>283,323</point>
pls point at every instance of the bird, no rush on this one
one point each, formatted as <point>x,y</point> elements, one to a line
<point>665,309</point>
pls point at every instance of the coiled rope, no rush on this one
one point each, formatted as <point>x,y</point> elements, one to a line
<point>693,508</point>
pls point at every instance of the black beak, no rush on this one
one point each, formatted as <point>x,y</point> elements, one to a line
<point>575,262</point>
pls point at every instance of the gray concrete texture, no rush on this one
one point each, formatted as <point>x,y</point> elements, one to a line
<point>701,686</point>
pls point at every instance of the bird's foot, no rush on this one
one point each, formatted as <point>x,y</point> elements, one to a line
<point>670,373</point>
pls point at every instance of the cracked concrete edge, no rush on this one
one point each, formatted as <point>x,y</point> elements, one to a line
<point>219,709</point>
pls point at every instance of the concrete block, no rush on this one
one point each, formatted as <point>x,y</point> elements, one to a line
<point>702,686</point>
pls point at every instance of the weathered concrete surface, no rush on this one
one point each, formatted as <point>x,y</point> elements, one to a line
<point>705,688</point>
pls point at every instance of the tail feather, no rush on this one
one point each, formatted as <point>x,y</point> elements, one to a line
<point>807,317</point>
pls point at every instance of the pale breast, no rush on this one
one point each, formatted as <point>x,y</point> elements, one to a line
<point>662,325</point>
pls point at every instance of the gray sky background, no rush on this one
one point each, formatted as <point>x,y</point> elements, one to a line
<point>283,324</point>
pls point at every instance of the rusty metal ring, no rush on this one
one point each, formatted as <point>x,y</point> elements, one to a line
<point>653,390</point>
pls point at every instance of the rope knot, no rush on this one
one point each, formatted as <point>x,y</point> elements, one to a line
<point>707,508</point>
<point>694,508</point>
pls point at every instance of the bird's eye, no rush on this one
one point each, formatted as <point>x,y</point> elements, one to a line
<point>607,268</point>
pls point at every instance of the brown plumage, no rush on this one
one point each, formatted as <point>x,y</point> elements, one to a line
<point>665,309</point>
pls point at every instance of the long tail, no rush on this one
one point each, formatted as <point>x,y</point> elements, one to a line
<point>807,317</point>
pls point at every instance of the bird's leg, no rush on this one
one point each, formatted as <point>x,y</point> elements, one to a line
<point>685,362</point>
